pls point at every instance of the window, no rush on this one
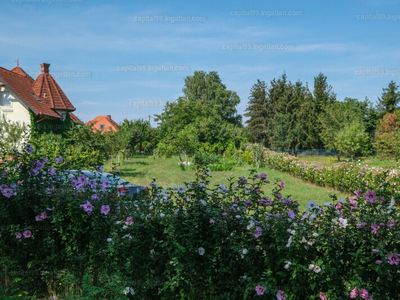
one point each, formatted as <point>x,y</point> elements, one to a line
<point>5,98</point>
<point>63,115</point>
<point>101,126</point>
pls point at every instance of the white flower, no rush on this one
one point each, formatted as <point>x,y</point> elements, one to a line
<point>303,240</point>
<point>176,211</point>
<point>293,232</point>
<point>287,265</point>
<point>290,240</point>
<point>129,290</point>
<point>315,234</point>
<point>202,201</point>
<point>251,224</point>
<point>152,251</point>
<point>148,216</point>
<point>313,217</point>
<point>342,200</point>
<point>328,204</point>
<point>311,267</point>
<point>127,236</point>
<point>289,230</point>
<point>181,189</point>
<point>162,215</point>
<point>311,205</point>
<point>343,222</point>
<point>109,240</point>
<point>244,251</point>
<point>310,243</point>
<point>202,251</point>
<point>317,269</point>
<point>124,227</point>
<point>334,221</point>
<point>237,217</point>
<point>187,199</point>
<point>151,207</point>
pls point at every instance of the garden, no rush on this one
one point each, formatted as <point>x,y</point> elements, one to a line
<point>68,237</point>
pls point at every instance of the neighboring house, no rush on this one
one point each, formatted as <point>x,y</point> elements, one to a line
<point>20,93</point>
<point>103,124</point>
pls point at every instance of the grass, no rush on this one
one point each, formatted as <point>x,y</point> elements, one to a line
<point>141,170</point>
<point>371,161</point>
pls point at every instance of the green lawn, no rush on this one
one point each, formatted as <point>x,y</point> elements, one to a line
<point>371,161</point>
<point>142,169</point>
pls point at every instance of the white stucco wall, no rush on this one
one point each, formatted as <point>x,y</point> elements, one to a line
<point>17,112</point>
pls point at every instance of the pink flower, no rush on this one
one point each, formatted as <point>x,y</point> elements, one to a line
<point>371,197</point>
<point>375,228</point>
<point>260,290</point>
<point>212,221</point>
<point>393,259</point>
<point>357,192</point>
<point>354,293</point>
<point>27,233</point>
<point>390,224</point>
<point>338,206</point>
<point>322,296</point>
<point>18,236</point>
<point>362,224</point>
<point>38,218</point>
<point>282,185</point>
<point>279,195</point>
<point>258,232</point>
<point>364,294</point>
<point>225,214</point>
<point>375,251</point>
<point>378,262</point>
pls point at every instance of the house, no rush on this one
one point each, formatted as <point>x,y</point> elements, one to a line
<point>20,94</point>
<point>103,124</point>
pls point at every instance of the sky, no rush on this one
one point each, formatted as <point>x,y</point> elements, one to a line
<point>128,58</point>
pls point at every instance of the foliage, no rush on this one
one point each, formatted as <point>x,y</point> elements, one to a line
<point>387,137</point>
<point>12,134</point>
<point>191,242</point>
<point>352,139</point>
<point>390,99</point>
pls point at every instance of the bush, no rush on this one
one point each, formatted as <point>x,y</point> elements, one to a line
<point>190,242</point>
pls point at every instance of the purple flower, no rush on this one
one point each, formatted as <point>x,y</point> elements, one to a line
<point>59,160</point>
<point>87,206</point>
<point>236,200</point>
<point>18,236</point>
<point>45,159</point>
<point>29,149</point>
<point>27,234</point>
<point>152,184</point>
<point>129,221</point>
<point>357,192</point>
<point>282,185</point>
<point>263,176</point>
<point>291,214</point>
<point>375,228</point>
<point>279,195</point>
<point>99,168</point>
<point>52,171</point>
<point>236,188</point>
<point>371,197</point>
<point>322,296</point>
<point>375,251</point>
<point>7,192</point>
<point>225,214</point>
<point>242,180</point>
<point>393,259</point>
<point>260,290</point>
<point>105,209</point>
<point>362,224</point>
<point>390,224</point>
<point>258,232</point>
<point>280,296</point>
<point>247,203</point>
<point>378,262</point>
<point>105,184</point>
<point>212,221</point>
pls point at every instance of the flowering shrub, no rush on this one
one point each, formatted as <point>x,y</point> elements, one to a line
<point>191,242</point>
<point>346,177</point>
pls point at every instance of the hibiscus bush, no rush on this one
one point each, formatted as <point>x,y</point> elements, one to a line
<point>73,237</point>
<point>347,177</point>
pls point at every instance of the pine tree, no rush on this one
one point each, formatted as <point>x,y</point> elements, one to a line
<point>390,99</point>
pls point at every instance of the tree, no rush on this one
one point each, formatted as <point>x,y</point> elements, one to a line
<point>12,135</point>
<point>387,137</point>
<point>352,139</point>
<point>257,111</point>
<point>390,99</point>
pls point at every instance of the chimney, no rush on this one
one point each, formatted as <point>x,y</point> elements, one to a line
<point>109,116</point>
<point>45,68</point>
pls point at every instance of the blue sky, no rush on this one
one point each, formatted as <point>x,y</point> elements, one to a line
<point>115,58</point>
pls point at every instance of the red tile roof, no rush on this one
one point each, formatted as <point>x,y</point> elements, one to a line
<point>19,71</point>
<point>47,88</point>
<point>43,95</point>
<point>20,86</point>
<point>109,124</point>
